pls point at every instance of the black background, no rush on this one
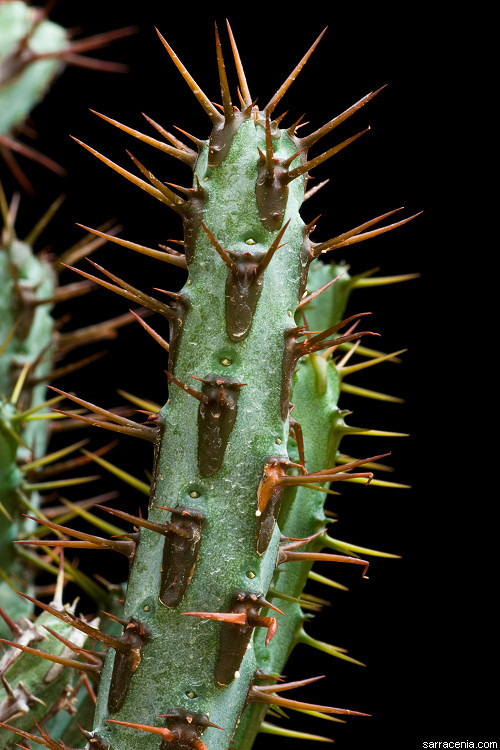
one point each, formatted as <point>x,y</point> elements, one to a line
<point>423,624</point>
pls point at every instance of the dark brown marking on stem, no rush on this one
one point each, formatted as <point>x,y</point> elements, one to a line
<point>126,662</point>
<point>216,417</point>
<point>306,256</point>
<point>156,457</point>
<point>243,289</point>
<point>179,307</point>
<point>271,187</point>
<point>244,283</point>
<point>269,495</point>
<point>180,554</point>
<point>192,217</point>
<point>287,370</point>
<point>184,732</point>
<point>186,728</point>
<point>222,136</point>
<point>236,631</point>
<point>234,639</point>
<point>94,741</point>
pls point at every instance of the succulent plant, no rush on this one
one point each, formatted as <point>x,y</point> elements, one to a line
<point>247,444</point>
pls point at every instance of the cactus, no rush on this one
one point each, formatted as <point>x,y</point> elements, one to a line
<point>234,491</point>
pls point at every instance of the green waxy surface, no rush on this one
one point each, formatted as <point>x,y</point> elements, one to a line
<point>181,654</point>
